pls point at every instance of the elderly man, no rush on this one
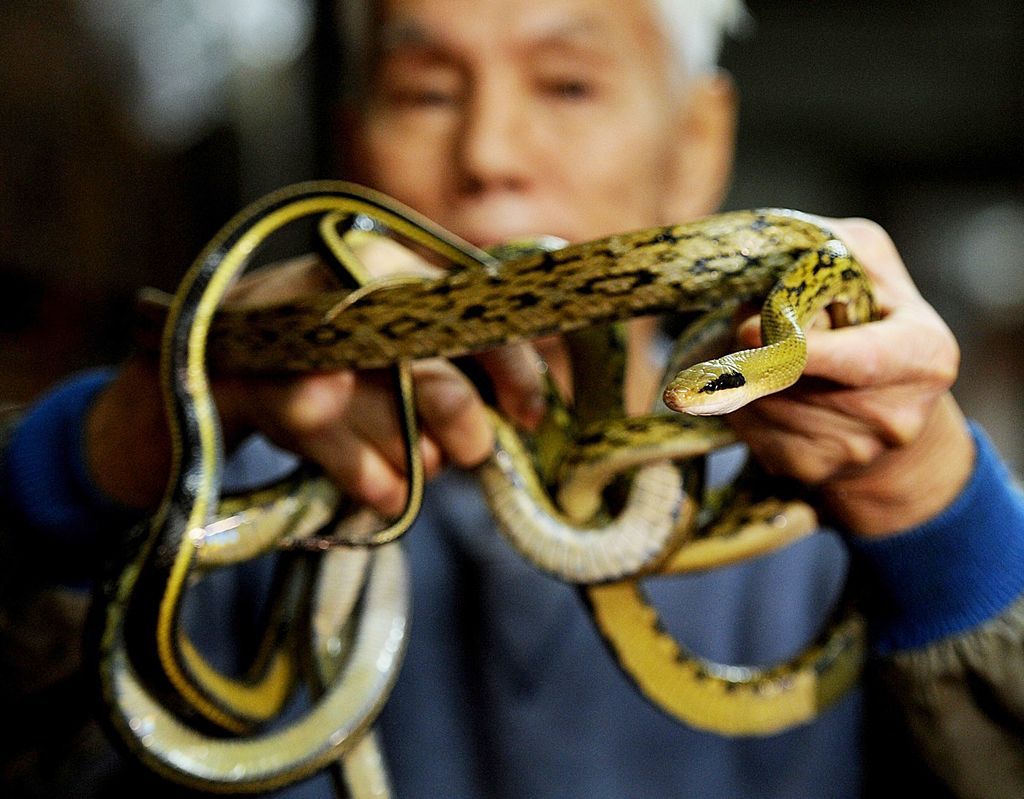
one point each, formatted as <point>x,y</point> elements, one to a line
<point>580,118</point>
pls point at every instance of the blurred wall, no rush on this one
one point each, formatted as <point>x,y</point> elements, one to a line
<point>130,132</point>
<point>911,114</point>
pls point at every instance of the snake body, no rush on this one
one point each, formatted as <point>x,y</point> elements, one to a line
<point>727,699</point>
<point>739,255</point>
<point>162,695</point>
<point>263,761</point>
<point>642,533</point>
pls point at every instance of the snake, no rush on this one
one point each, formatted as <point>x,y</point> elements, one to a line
<point>149,670</point>
<point>265,760</point>
<point>168,706</point>
<point>725,699</point>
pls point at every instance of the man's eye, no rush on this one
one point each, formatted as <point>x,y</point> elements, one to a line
<point>569,89</point>
<point>423,98</point>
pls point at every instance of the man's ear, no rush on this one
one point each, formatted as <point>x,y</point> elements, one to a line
<point>703,160</point>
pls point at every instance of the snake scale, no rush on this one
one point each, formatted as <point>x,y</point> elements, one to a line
<point>220,732</point>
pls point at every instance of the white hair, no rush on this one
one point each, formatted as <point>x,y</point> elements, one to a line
<point>694,29</point>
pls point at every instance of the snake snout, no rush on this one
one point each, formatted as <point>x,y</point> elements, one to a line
<point>708,389</point>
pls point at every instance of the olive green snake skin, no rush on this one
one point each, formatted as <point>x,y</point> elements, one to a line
<point>553,495</point>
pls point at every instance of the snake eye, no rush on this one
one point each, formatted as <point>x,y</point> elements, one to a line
<point>723,381</point>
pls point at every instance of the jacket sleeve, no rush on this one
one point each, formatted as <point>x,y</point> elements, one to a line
<point>44,690</point>
<point>946,615</point>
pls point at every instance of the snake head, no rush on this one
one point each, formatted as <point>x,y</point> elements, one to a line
<point>709,389</point>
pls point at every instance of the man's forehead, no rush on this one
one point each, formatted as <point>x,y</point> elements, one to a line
<point>408,30</point>
<point>436,23</point>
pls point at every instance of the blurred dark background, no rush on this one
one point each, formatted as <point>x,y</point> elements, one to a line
<point>130,132</point>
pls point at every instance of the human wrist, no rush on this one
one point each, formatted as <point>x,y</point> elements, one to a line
<point>906,485</point>
<point>952,573</point>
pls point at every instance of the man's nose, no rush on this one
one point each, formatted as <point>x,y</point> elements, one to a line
<point>493,145</point>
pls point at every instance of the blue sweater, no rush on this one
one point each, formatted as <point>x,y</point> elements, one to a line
<point>507,690</point>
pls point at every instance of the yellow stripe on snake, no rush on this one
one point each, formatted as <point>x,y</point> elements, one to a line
<point>205,729</point>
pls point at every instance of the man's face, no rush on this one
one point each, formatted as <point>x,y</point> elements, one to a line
<point>504,118</point>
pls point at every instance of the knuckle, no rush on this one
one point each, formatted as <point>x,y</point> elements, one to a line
<point>443,396</point>
<point>387,495</point>
<point>871,364</point>
<point>946,363</point>
<point>446,409</point>
<point>801,464</point>
<point>902,425</point>
<point>861,450</point>
<point>813,472</point>
<point>809,472</point>
<point>432,457</point>
<point>870,242</point>
<point>313,405</point>
<point>471,449</point>
<point>867,233</point>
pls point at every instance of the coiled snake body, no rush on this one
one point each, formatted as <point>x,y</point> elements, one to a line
<point>206,729</point>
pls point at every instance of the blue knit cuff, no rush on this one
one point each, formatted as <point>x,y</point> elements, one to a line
<point>47,480</point>
<point>954,572</point>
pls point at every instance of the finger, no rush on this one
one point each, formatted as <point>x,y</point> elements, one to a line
<point>814,414</point>
<point>873,248</point>
<point>367,453</point>
<point>805,441</point>
<point>431,456</point>
<point>913,345</point>
<point>384,257</point>
<point>294,410</point>
<point>849,356</point>
<point>363,472</point>
<point>517,375</point>
<point>781,452</point>
<point>375,417</point>
<point>309,416</point>
<point>452,415</point>
<point>298,277</point>
<point>319,416</point>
